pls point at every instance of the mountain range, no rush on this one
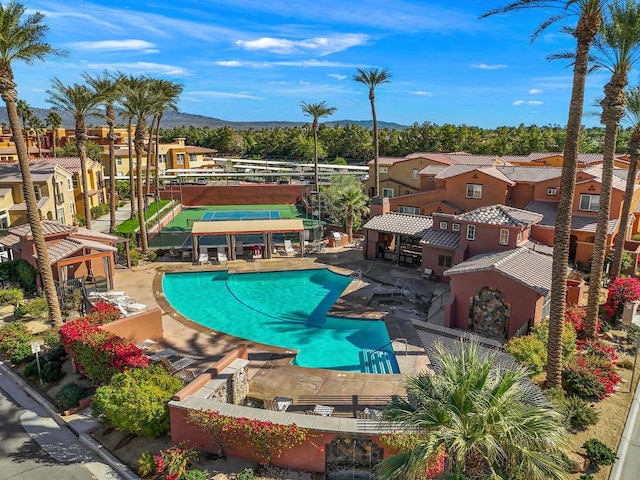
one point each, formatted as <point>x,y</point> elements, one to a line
<point>180,119</point>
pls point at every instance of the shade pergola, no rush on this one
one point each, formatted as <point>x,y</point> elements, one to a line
<point>231,228</point>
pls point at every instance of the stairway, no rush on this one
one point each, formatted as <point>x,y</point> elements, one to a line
<point>376,361</point>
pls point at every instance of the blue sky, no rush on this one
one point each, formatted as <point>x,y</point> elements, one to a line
<point>257,60</point>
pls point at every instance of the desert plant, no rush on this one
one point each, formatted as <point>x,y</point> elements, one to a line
<point>578,413</point>
<point>586,476</point>
<point>625,363</point>
<point>11,296</point>
<point>136,401</point>
<point>70,395</point>
<point>146,464</point>
<point>15,342</point>
<point>528,350</point>
<point>598,453</point>
<point>193,475</point>
<point>246,474</point>
<point>35,307</point>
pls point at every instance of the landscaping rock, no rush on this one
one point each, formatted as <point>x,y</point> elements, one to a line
<point>577,462</point>
<point>220,476</point>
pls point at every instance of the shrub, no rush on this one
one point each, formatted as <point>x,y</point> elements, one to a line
<point>173,461</point>
<point>15,342</point>
<point>194,475</point>
<point>578,413</point>
<point>246,474</point>
<point>586,476</point>
<point>50,337</point>
<point>70,395</point>
<point>146,464</point>
<point>136,401</point>
<point>99,210</point>
<point>598,453</point>
<point>530,351</point>
<point>11,296</point>
<point>621,291</point>
<point>633,332</point>
<point>36,307</point>
<point>50,371</point>
<point>626,364</point>
<point>26,275</point>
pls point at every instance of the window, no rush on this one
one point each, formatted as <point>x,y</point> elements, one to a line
<point>387,192</point>
<point>443,225</point>
<point>60,213</point>
<point>193,157</point>
<point>455,227</point>
<point>37,192</point>
<point>162,172</point>
<point>551,191</point>
<point>444,261</point>
<point>75,180</point>
<point>119,161</point>
<point>4,219</point>
<point>411,210</point>
<point>383,170</point>
<point>471,232</point>
<point>180,159</point>
<point>72,208</point>
<point>162,158</point>
<point>69,184</point>
<point>590,203</point>
<point>504,236</point>
<point>415,174</point>
<point>431,179</point>
<point>474,190</point>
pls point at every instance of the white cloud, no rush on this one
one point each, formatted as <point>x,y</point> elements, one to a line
<point>303,63</point>
<point>319,45</point>
<point>529,102</point>
<point>484,66</point>
<point>337,76</point>
<point>218,94</point>
<point>228,63</point>
<point>116,45</point>
<point>535,91</point>
<point>422,92</point>
<point>142,67</point>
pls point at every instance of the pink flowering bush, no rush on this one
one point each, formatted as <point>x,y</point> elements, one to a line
<point>621,291</point>
<point>591,373</point>
<point>173,462</point>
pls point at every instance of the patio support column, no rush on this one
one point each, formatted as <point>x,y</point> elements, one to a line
<point>269,245</point>
<point>397,239</point>
<point>232,249</point>
<point>301,235</point>
<point>195,252</point>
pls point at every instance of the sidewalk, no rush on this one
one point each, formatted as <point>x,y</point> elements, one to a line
<point>65,439</point>
<point>102,224</point>
<point>627,464</point>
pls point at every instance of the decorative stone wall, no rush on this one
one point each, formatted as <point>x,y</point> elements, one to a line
<point>352,457</point>
<point>240,384</point>
<point>490,313</point>
<point>232,384</point>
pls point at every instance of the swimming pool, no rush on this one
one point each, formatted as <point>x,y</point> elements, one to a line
<point>285,309</point>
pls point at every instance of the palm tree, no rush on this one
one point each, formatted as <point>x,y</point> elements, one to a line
<point>372,79</point>
<point>54,122</point>
<point>484,417</point>
<point>316,111</point>
<point>589,13</point>
<point>126,85</point>
<point>38,128</point>
<point>107,87</point>
<point>139,104</point>
<point>81,102</point>
<point>618,45</point>
<point>166,94</point>
<point>22,39</point>
<point>24,111</point>
<point>346,202</point>
<point>633,118</point>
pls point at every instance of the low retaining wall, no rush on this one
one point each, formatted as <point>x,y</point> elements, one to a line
<point>138,327</point>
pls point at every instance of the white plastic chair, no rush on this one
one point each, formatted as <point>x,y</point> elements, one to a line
<point>288,248</point>
<point>222,255</point>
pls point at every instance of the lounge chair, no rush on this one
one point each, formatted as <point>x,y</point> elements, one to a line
<point>288,248</point>
<point>239,249</point>
<point>222,255</point>
<point>178,365</point>
<point>204,256</point>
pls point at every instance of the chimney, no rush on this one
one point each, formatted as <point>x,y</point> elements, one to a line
<point>379,206</point>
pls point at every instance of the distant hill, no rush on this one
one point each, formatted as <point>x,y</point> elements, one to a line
<point>179,119</point>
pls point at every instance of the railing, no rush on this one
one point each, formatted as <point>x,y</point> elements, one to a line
<point>400,339</point>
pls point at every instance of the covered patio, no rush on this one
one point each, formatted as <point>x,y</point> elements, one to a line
<point>232,228</point>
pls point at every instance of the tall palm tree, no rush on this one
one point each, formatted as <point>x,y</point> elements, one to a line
<point>54,122</point>
<point>484,417</point>
<point>22,38</point>
<point>633,119</point>
<point>316,111</point>
<point>37,126</point>
<point>107,87</point>
<point>81,102</point>
<point>589,13</point>
<point>24,111</point>
<point>373,78</point>
<point>126,85</point>
<point>167,94</point>
<point>139,103</point>
<point>618,46</point>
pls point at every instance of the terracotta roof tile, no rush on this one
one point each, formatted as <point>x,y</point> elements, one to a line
<point>501,215</point>
<point>402,223</point>
<point>437,237</point>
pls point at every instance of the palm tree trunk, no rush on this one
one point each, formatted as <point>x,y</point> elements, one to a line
<point>613,108</point>
<point>315,165</point>
<point>132,186</point>
<point>147,186</point>
<point>81,138</point>
<point>376,168</point>
<point>142,221</point>
<point>9,95</point>
<point>111,121</point>
<point>157,151</point>
<point>634,157</point>
<point>562,232</point>
<point>54,141</point>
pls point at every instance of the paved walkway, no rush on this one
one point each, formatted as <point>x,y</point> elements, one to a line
<point>627,464</point>
<point>102,224</point>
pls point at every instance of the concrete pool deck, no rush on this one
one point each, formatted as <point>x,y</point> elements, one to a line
<point>269,370</point>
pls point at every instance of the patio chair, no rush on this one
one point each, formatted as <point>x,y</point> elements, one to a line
<point>222,255</point>
<point>279,404</point>
<point>178,365</point>
<point>204,256</point>
<point>239,249</point>
<point>288,248</point>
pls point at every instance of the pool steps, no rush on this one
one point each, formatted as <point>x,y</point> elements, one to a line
<point>377,361</point>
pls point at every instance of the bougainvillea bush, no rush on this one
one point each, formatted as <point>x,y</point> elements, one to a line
<point>136,401</point>
<point>591,373</point>
<point>99,354</point>
<point>621,291</point>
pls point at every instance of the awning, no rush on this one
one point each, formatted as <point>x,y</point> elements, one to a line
<point>236,227</point>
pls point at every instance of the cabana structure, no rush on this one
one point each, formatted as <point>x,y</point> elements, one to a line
<point>232,228</point>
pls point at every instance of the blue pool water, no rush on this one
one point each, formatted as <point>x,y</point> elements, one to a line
<point>285,309</point>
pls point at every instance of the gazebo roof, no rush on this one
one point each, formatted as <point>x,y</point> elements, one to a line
<point>235,227</point>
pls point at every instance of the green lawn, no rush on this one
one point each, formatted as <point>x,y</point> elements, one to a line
<point>128,226</point>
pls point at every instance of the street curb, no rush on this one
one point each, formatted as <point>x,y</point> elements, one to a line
<point>616,470</point>
<point>85,439</point>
